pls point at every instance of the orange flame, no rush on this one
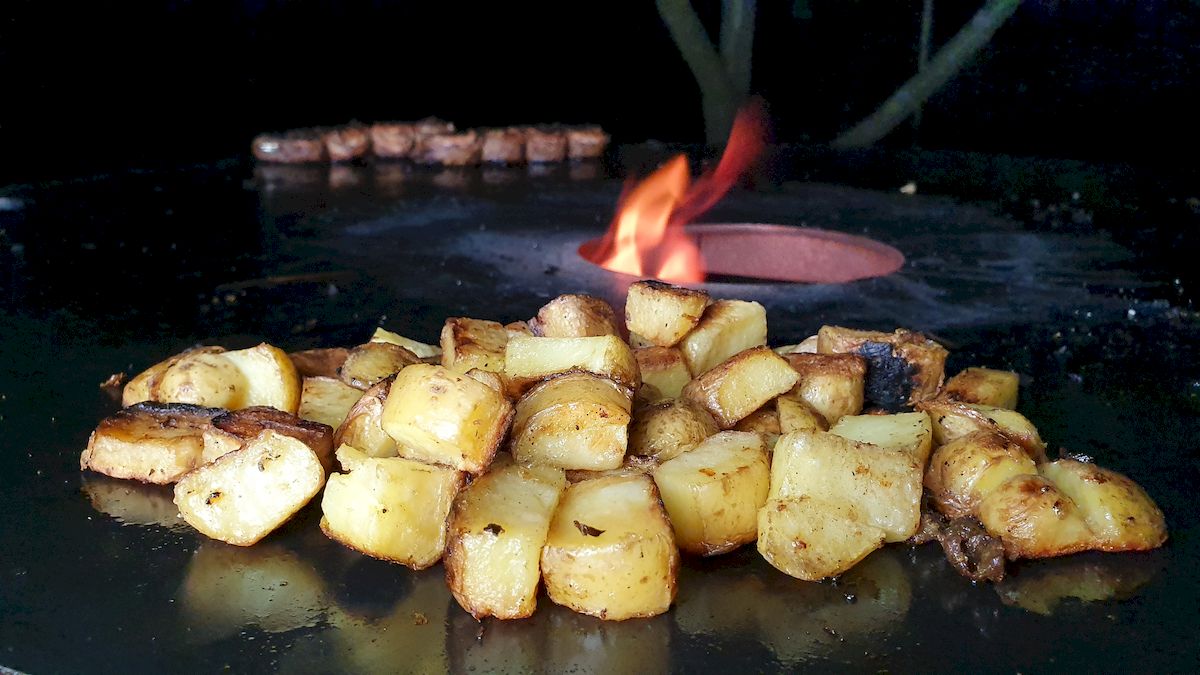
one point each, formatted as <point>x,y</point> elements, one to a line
<point>647,237</point>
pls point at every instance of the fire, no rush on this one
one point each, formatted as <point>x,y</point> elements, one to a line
<point>647,237</point>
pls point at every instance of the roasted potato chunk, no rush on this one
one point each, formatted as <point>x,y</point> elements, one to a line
<point>149,442</point>
<point>964,471</point>
<point>573,315</point>
<point>530,359</point>
<point>420,349</point>
<point>713,492</point>
<point>246,424</point>
<point>611,552</point>
<point>832,384</point>
<point>271,379</point>
<point>997,388</point>
<point>144,385</point>
<point>765,422</point>
<point>245,495</point>
<point>797,415</point>
<point>363,426</point>
<point>664,373</point>
<point>741,385</point>
<point>812,538</point>
<point>390,508</point>
<point>441,417</point>
<point>327,400</point>
<point>727,327</point>
<point>1034,519</point>
<point>903,367</point>
<point>1121,516</point>
<point>498,526</point>
<point>667,429</point>
<point>573,421</point>
<point>369,363</point>
<point>910,432</point>
<point>213,377</point>
<point>321,362</point>
<point>661,314</point>
<point>806,346</point>
<point>473,343</point>
<point>952,420</point>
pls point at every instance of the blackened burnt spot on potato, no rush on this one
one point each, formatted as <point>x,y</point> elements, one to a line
<point>889,380</point>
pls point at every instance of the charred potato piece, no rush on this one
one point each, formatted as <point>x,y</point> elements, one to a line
<point>363,426</point>
<point>884,485</point>
<point>144,385</point>
<point>441,417</point>
<point>248,423</point>
<point>498,526</point>
<point>390,508</point>
<point>611,552</point>
<point>420,349</point>
<point>997,388</point>
<point>812,538</point>
<point>327,400</point>
<point>369,363</point>
<point>661,314</point>
<point>832,384</point>
<point>741,385</point>
<point>574,421</point>
<point>1121,516</point>
<point>1034,519</point>
<point>321,362</point>
<point>798,416</point>
<point>952,420</point>
<point>964,471</point>
<point>713,492</point>
<point>149,442</point>
<point>910,432</point>
<point>473,343</point>
<point>903,367</point>
<point>668,429</point>
<point>245,495</point>
<point>664,373</point>
<point>573,315</point>
<point>530,359</point>
<point>727,327</point>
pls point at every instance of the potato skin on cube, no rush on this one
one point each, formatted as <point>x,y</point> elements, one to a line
<point>962,472</point>
<point>1120,514</point>
<point>726,328</point>
<point>810,538</point>
<point>661,314</point>
<point>1034,519</point>
<point>363,426</point>
<point>367,364</point>
<point>832,384</point>
<point>498,526</point>
<point>531,359</point>
<point>664,373</point>
<point>667,429</point>
<point>952,419</point>
<point>473,343</point>
<point>246,424</point>
<point>572,315</point>
<point>611,552</point>
<point>149,442</point>
<point>320,362</point>
<point>996,388</point>
<point>741,385</point>
<point>442,417</point>
<point>420,349</point>
<point>713,492</point>
<point>573,421</point>
<point>145,385</point>
<point>798,416</point>
<point>903,367</point>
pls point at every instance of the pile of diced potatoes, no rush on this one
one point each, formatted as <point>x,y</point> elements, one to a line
<point>585,453</point>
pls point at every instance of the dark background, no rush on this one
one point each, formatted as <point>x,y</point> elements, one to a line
<point>115,84</point>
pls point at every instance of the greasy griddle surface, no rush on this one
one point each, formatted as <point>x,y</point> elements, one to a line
<point>116,272</point>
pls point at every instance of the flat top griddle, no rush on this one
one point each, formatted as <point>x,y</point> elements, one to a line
<point>112,273</point>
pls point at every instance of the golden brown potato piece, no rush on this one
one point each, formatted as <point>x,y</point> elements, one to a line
<point>668,429</point>
<point>903,367</point>
<point>811,538</point>
<point>727,327</point>
<point>369,363</point>
<point>213,377</point>
<point>997,388</point>
<point>422,350</point>
<point>741,385</point>
<point>765,421</point>
<point>806,346</point>
<point>910,432</point>
<point>611,552</point>
<point>248,423</point>
<point>574,315</point>
<point>322,362</point>
<point>545,144</point>
<point>245,495</point>
<point>664,373</point>
<point>661,314</point>
<point>528,360</point>
<point>1034,519</point>
<point>573,421</point>
<point>952,420</point>
<point>269,376</point>
<point>713,492</point>
<point>832,384</point>
<point>964,471</point>
<point>149,442</point>
<point>327,400</point>
<point>498,526</point>
<point>473,343</point>
<point>503,146</point>
<point>798,416</point>
<point>363,427</point>
<point>1121,516</point>
<point>392,140</point>
<point>144,385</point>
<point>441,417</point>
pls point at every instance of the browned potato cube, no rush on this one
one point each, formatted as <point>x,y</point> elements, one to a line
<point>573,315</point>
<point>903,367</point>
<point>726,328</point>
<point>741,385</point>
<point>248,423</point>
<point>573,421</point>
<point>832,384</point>
<point>611,552</point>
<point>997,388</point>
<point>363,426</point>
<point>1120,514</point>
<point>270,379</point>
<point>952,420</point>
<point>964,471</point>
<point>661,314</point>
<point>144,385</point>
<point>713,492</point>
<point>811,538</point>
<point>531,359</point>
<point>667,429</point>
<point>1034,519</point>
<point>765,422</point>
<point>367,364</point>
<point>473,343</point>
<point>910,432</point>
<point>210,376</point>
<point>322,362</point>
<point>664,373</point>
<point>327,400</point>
<point>441,417</point>
<point>420,349</point>
<point>797,415</point>
<point>150,442</point>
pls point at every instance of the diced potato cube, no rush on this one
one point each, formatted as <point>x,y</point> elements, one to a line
<point>726,328</point>
<point>765,422</point>
<point>661,314</point>
<point>270,378</point>
<point>391,508</point>
<point>245,495</point>
<point>150,442</point>
<point>831,383</point>
<point>667,429</point>
<point>367,364</point>
<point>327,400</point>
<point>962,472</point>
<point>573,315</point>
<point>573,421</point>
<point>741,385</point>
<point>798,416</point>
<point>910,432</point>
<point>530,359</point>
<point>145,385</point>
<point>811,538</point>
<point>246,425</point>
<point>712,493</point>
<point>996,388</point>
<point>473,343</point>
<point>611,552</point>
<point>1034,519</point>
<point>420,349</point>
<point>952,420</point>
<point>441,417</point>
<point>498,526</point>
<point>363,426</point>
<point>664,373</point>
<point>903,367</point>
<point>1121,516</point>
<point>883,484</point>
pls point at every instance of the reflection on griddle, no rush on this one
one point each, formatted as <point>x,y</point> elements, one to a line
<point>133,503</point>
<point>290,177</point>
<point>585,170</point>
<point>1041,586</point>
<point>348,177</point>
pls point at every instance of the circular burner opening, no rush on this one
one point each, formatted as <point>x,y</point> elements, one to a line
<point>753,252</point>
